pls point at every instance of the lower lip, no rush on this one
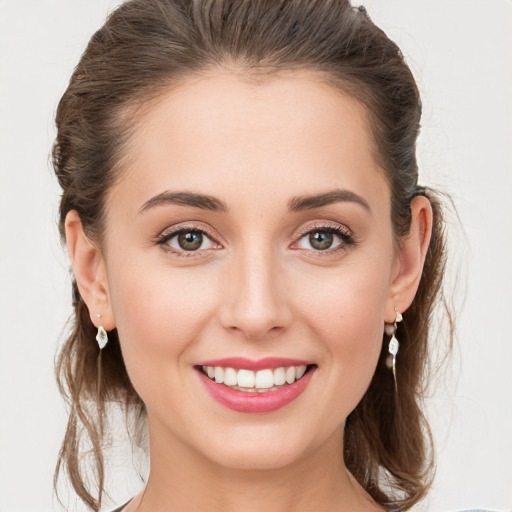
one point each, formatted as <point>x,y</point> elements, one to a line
<point>267,401</point>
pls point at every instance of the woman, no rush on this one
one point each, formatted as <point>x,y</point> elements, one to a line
<point>256,265</point>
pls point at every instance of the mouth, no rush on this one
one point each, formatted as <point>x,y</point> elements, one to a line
<point>260,381</point>
<point>262,386</point>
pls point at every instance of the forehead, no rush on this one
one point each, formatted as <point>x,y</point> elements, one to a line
<point>291,133</point>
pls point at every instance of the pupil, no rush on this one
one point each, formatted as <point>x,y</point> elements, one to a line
<point>320,240</point>
<point>190,241</point>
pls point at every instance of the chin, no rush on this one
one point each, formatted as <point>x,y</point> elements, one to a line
<point>265,448</point>
<point>256,458</point>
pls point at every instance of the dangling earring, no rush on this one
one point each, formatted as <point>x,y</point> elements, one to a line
<point>101,337</point>
<point>393,343</point>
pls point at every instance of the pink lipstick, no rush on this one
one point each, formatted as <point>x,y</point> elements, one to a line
<point>260,364</point>
<point>259,386</point>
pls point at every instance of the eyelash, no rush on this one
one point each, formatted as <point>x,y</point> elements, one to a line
<point>169,235</point>
<point>347,239</point>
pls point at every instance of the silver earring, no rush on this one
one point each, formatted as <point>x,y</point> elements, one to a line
<point>393,342</point>
<point>101,337</point>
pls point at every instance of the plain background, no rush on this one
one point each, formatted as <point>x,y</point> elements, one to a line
<point>460,52</point>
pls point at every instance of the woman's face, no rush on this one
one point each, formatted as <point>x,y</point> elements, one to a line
<point>250,230</point>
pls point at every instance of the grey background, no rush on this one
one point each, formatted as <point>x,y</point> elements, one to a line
<point>460,52</point>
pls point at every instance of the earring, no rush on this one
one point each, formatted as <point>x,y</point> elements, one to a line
<point>393,342</point>
<point>101,337</point>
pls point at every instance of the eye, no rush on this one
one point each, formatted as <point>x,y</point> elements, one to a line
<point>321,240</point>
<point>187,240</point>
<point>325,239</point>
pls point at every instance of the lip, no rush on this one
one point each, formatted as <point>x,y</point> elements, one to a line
<point>256,402</point>
<point>261,364</point>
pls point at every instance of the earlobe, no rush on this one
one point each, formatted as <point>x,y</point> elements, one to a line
<point>411,257</point>
<point>90,272</point>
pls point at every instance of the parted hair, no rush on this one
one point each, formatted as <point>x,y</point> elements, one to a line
<point>147,47</point>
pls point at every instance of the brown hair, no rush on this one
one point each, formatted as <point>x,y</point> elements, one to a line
<point>148,46</point>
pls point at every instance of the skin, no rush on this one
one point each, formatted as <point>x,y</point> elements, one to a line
<point>258,289</point>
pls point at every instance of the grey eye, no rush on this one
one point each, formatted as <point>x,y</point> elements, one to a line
<point>189,240</point>
<point>321,240</point>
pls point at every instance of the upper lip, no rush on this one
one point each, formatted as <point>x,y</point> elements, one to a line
<point>251,364</point>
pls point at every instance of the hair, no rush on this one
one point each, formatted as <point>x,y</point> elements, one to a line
<point>147,47</point>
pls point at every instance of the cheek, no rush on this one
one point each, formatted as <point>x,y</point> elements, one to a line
<point>159,314</point>
<point>347,305</point>
<point>346,313</point>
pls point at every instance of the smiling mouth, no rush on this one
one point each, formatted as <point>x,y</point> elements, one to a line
<point>260,381</point>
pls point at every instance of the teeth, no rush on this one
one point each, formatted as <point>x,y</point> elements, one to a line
<point>246,378</point>
<point>260,380</point>
<point>279,376</point>
<point>219,375</point>
<point>291,373</point>
<point>230,377</point>
<point>264,379</point>
<point>301,370</point>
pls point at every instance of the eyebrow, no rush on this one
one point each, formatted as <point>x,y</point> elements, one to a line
<point>193,199</point>
<point>301,203</point>
<point>296,204</point>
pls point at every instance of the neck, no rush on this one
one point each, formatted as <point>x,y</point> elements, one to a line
<point>182,479</point>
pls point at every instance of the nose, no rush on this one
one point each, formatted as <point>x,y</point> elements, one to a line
<point>256,302</point>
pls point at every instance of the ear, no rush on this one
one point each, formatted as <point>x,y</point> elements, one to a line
<point>411,258</point>
<point>90,272</point>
